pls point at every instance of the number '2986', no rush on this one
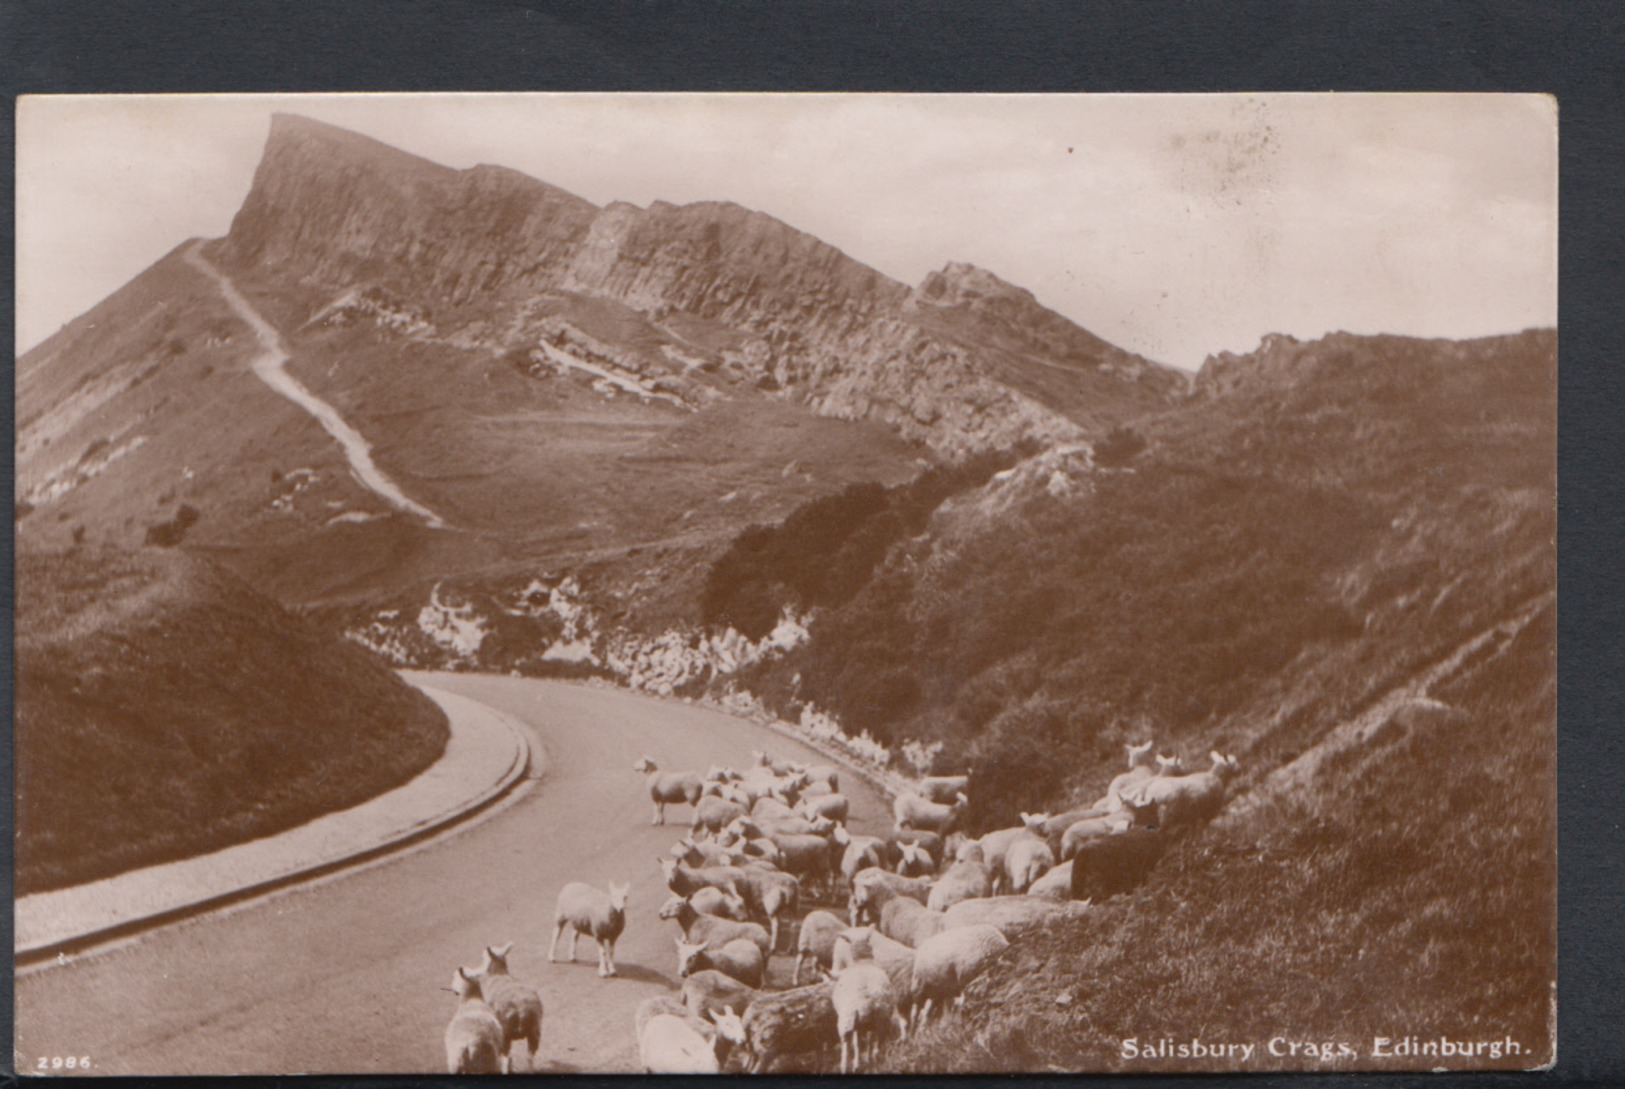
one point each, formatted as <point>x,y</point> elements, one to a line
<point>63,1062</point>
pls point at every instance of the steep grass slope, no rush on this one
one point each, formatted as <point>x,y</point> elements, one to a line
<point>163,710</point>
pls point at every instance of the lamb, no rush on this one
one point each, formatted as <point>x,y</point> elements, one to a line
<point>708,929</point>
<point>929,841</point>
<point>1110,864</point>
<point>669,787</point>
<point>1189,799</point>
<point>817,941</point>
<point>944,788</point>
<point>907,920</point>
<point>1026,860</point>
<point>912,810</point>
<point>516,1005</point>
<point>915,861</point>
<point>857,943</point>
<point>963,880</point>
<point>475,1043</point>
<point>871,888</point>
<point>1011,915</point>
<point>669,1044</point>
<point>586,910</point>
<point>865,1004</point>
<point>712,814</point>
<point>738,959</point>
<point>711,990</point>
<point>791,1022</point>
<point>1167,766</point>
<point>945,964</point>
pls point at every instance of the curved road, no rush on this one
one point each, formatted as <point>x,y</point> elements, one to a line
<point>344,975</point>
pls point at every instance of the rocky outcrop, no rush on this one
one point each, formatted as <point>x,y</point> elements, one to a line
<point>472,251</point>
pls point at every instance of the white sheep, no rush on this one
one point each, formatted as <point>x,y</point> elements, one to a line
<point>738,959</point>
<point>833,805</point>
<point>995,844</point>
<point>1138,773</point>
<point>963,880</point>
<point>475,1043</point>
<point>817,941</point>
<point>857,943</point>
<point>723,904</point>
<point>669,1044</point>
<point>806,857</point>
<point>1084,831</point>
<point>669,787</point>
<point>516,1005</point>
<point>779,769</point>
<point>1054,885</point>
<point>1187,799</point>
<point>701,928</point>
<point>686,880</point>
<point>1026,860</point>
<point>912,810</point>
<point>947,962</point>
<point>865,1005</point>
<point>587,910</point>
<point>929,841</point>
<point>772,896</point>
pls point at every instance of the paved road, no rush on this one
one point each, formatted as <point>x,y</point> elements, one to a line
<point>344,976</point>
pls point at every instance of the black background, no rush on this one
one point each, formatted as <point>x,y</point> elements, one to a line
<point>1575,51</point>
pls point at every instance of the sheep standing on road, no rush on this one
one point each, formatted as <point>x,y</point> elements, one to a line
<point>586,910</point>
<point>669,787</point>
<point>946,963</point>
<point>864,1006</point>
<point>871,888</point>
<point>702,929</point>
<point>816,941</point>
<point>474,1040</point>
<point>516,1005</point>
<point>738,959</point>
<point>905,919</point>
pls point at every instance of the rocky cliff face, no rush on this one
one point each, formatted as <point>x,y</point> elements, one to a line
<point>473,250</point>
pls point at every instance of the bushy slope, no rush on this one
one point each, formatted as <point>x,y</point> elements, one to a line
<point>163,710</point>
<point>1306,548</point>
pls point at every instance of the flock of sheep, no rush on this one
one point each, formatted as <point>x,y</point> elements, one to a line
<point>926,909</point>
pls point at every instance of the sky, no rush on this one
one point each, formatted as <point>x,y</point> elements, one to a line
<point>1173,225</point>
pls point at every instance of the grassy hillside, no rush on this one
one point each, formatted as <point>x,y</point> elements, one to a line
<point>163,710</point>
<point>1304,549</point>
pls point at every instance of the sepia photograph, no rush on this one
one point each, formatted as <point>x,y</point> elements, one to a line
<point>764,583</point>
